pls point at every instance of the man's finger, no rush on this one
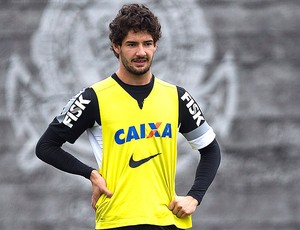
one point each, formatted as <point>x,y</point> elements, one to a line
<point>107,193</point>
<point>171,206</point>
<point>93,203</point>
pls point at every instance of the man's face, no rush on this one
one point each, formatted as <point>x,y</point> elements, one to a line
<point>136,52</point>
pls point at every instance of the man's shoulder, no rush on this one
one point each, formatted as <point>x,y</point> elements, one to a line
<point>164,83</point>
<point>103,84</point>
<point>181,90</point>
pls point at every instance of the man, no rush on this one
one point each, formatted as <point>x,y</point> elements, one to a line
<point>132,119</point>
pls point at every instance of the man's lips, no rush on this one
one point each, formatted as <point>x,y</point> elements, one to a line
<point>140,62</point>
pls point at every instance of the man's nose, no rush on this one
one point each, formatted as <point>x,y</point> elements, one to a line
<point>140,51</point>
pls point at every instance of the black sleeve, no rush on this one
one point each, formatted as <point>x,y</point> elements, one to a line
<point>80,113</point>
<point>190,115</point>
<point>206,170</point>
<point>49,150</point>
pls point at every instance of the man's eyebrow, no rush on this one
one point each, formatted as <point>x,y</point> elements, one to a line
<point>137,42</point>
<point>130,42</point>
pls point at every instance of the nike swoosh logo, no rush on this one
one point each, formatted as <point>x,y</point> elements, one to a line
<point>135,164</point>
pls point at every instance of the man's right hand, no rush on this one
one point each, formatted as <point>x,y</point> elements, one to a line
<point>98,187</point>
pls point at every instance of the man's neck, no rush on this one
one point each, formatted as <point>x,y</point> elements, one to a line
<point>132,79</point>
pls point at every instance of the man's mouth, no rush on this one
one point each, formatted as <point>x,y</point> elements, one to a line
<point>140,60</point>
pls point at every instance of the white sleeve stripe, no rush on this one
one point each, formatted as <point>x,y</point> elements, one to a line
<point>197,132</point>
<point>203,140</point>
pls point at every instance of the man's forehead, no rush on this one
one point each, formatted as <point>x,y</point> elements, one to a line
<point>139,36</point>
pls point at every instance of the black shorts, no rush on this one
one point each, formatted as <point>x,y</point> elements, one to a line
<point>147,227</point>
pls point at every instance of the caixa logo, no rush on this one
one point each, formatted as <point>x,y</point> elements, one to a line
<point>157,129</point>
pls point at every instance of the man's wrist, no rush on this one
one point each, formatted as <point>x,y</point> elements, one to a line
<point>93,174</point>
<point>194,199</point>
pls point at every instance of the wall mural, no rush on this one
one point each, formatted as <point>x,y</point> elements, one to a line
<point>70,51</point>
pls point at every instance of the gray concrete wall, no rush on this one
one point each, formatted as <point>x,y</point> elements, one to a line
<point>240,60</point>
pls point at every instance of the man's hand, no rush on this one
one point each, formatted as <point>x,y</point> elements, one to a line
<point>98,187</point>
<point>183,206</point>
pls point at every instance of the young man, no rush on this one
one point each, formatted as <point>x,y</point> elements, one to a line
<point>132,120</point>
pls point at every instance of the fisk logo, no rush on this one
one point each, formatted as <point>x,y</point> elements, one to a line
<point>135,133</point>
<point>193,108</point>
<point>75,111</point>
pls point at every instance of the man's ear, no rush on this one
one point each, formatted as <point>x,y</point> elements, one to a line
<point>116,48</point>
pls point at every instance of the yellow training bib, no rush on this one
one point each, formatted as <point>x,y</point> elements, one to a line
<point>139,156</point>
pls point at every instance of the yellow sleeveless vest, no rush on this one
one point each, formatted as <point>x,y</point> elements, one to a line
<point>139,156</point>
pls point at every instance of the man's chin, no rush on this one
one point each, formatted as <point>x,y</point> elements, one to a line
<point>139,72</point>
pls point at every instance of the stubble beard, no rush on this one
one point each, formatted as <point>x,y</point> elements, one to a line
<point>136,71</point>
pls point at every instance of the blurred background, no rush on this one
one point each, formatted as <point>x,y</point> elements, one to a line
<point>239,59</point>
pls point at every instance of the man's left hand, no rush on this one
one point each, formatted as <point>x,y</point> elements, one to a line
<point>183,206</point>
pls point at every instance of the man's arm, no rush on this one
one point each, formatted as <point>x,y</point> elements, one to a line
<point>200,136</point>
<point>183,206</point>
<point>84,107</point>
<point>62,129</point>
<point>206,170</point>
<point>49,150</point>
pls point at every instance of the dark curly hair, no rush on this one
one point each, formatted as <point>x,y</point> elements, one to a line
<point>136,17</point>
